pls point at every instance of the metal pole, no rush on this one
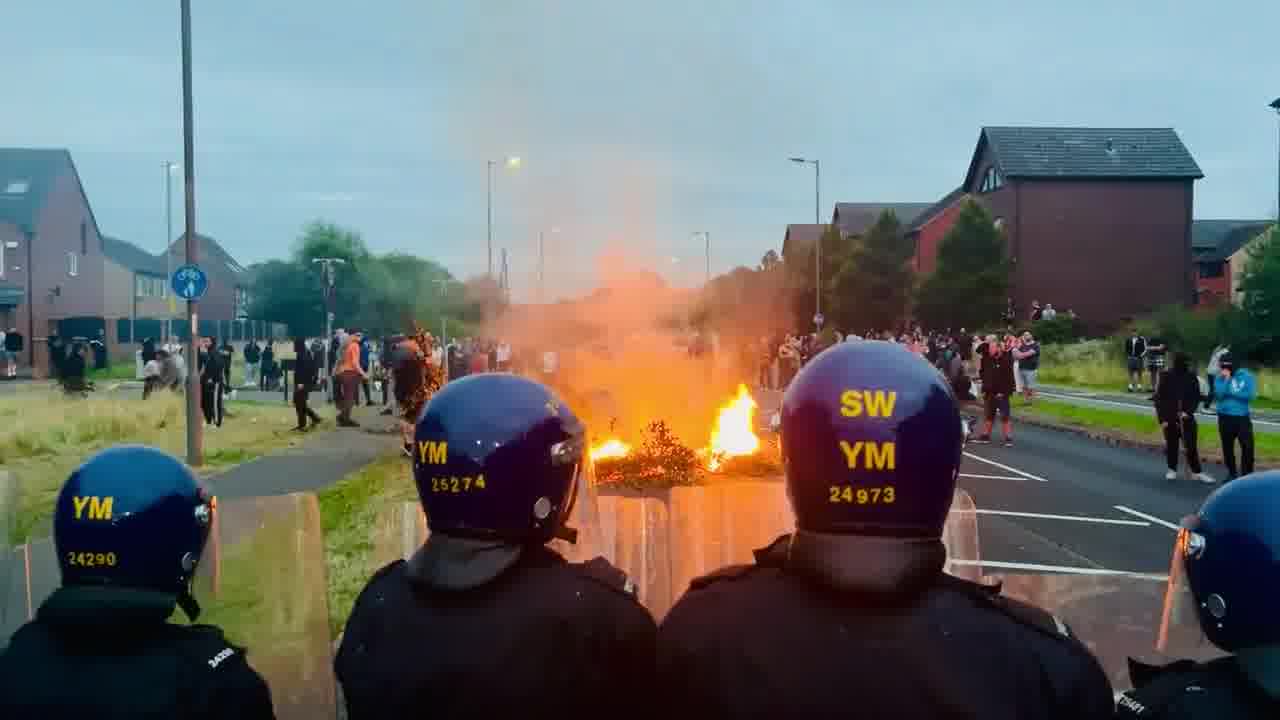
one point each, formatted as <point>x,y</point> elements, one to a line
<point>541,267</point>
<point>489,213</point>
<point>195,428</point>
<point>168,250</point>
<point>817,219</point>
<point>1277,107</point>
<point>707,236</point>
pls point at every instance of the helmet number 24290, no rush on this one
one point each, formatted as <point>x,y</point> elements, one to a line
<point>862,496</point>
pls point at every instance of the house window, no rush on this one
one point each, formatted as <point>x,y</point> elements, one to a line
<point>1212,269</point>
<point>17,187</point>
<point>73,264</point>
<point>84,238</point>
<point>991,180</point>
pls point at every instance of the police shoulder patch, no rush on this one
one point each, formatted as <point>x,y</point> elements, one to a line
<point>602,571</point>
<point>207,645</point>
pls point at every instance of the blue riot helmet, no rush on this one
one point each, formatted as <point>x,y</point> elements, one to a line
<point>498,460</point>
<point>871,439</point>
<point>134,517</point>
<point>1226,566</point>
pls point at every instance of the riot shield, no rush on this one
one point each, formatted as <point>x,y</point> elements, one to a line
<point>1116,616</point>
<point>261,579</point>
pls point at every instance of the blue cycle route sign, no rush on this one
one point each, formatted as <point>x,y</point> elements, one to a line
<point>189,282</point>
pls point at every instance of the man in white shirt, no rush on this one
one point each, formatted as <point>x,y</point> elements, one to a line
<point>504,356</point>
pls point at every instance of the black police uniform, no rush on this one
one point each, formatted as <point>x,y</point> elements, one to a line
<point>104,652</point>
<point>547,638</point>
<point>1188,690</point>
<point>784,638</point>
<point>852,615</point>
<point>484,620</point>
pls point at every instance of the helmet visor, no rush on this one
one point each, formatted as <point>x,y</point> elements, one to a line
<point>579,537</point>
<point>1180,633</point>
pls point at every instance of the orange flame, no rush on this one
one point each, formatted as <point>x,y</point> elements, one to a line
<point>733,433</point>
<point>610,449</point>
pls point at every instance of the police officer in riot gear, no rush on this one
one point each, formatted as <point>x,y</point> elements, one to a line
<point>485,620</point>
<point>129,528</point>
<point>1227,571</point>
<point>852,615</point>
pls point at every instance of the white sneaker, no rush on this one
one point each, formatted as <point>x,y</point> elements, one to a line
<point>1171,475</point>
<point>1205,478</point>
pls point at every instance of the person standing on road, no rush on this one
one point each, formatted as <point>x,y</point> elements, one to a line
<point>305,372</point>
<point>1027,355</point>
<point>1211,372</point>
<point>852,614</point>
<point>102,645</point>
<point>1234,389</point>
<point>998,383</point>
<point>266,366</point>
<point>1177,399</point>
<point>1135,350</point>
<point>211,375</point>
<point>347,376</point>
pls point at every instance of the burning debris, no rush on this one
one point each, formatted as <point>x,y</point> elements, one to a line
<point>662,460</point>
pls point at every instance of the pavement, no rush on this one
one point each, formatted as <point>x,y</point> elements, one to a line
<point>1139,402</point>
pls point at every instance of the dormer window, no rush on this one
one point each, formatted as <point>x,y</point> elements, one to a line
<point>16,187</point>
<point>991,180</point>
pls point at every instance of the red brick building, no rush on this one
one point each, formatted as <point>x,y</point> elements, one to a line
<point>1220,249</point>
<point>1098,220</point>
<point>926,232</point>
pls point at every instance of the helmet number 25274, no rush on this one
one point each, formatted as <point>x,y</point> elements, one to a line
<point>862,496</point>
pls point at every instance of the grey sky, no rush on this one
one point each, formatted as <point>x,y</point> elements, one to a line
<point>639,123</point>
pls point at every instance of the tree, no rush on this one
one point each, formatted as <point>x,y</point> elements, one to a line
<point>770,260</point>
<point>835,249</point>
<point>970,286</point>
<point>1260,291</point>
<point>283,292</point>
<point>873,286</point>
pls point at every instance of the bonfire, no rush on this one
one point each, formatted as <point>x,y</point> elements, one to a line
<point>663,461</point>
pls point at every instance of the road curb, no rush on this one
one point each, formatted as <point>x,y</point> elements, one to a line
<point>1124,442</point>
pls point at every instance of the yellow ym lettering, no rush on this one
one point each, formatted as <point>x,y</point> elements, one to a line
<point>99,508</point>
<point>432,452</point>
<point>851,452</point>
<point>878,456</point>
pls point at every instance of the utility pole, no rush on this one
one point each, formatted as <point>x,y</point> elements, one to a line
<point>195,424</point>
<point>817,220</point>
<point>505,278</point>
<point>1275,105</point>
<point>443,284</point>
<point>541,266</point>
<point>707,236</point>
<point>327,280</point>
<point>168,249</point>
<point>489,214</point>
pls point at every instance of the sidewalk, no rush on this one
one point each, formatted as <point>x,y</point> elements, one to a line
<point>325,457</point>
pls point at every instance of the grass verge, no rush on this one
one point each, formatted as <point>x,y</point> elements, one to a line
<point>44,435</point>
<point>1136,427</point>
<point>351,515</point>
<point>1095,373</point>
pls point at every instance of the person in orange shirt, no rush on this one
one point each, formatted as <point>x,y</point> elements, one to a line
<point>349,374</point>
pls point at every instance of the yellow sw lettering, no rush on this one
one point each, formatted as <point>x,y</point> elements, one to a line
<point>99,508</point>
<point>875,403</point>
<point>878,456</point>
<point>432,452</point>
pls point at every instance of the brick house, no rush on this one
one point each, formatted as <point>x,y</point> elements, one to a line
<point>227,298</point>
<point>1220,249</point>
<point>854,219</point>
<point>1098,220</point>
<point>925,233</point>
<point>136,289</point>
<point>51,269</point>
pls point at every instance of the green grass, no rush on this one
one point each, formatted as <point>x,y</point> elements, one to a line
<point>44,435</point>
<point>1095,365</point>
<point>1141,427</point>
<point>353,513</point>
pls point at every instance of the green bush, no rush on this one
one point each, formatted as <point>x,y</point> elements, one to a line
<point>1061,329</point>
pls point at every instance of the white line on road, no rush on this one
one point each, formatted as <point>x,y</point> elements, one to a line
<point>1078,518</point>
<point>1136,407</point>
<point>1068,569</point>
<point>1002,466</point>
<point>993,477</point>
<point>1144,516</point>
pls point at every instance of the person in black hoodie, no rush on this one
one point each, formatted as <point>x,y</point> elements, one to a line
<point>1177,397</point>
<point>209,364</point>
<point>305,370</point>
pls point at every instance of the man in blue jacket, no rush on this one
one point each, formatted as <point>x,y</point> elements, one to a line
<point>1233,390</point>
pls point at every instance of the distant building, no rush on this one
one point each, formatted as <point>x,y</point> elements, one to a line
<point>1220,249</point>
<point>227,298</point>
<point>136,291</point>
<point>51,269</point>
<point>1098,220</point>
<point>925,233</point>
<point>854,219</point>
<point>799,240</point>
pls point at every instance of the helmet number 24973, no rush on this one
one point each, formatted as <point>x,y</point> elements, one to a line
<point>862,496</point>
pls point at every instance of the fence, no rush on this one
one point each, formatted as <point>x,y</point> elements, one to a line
<point>139,329</point>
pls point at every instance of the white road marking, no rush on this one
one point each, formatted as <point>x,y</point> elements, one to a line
<point>1002,466</point>
<point>993,477</point>
<point>1144,516</point>
<point>1067,569</point>
<point>1139,409</point>
<point>1078,518</point>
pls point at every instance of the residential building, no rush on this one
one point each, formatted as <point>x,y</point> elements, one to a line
<point>136,291</point>
<point>855,218</point>
<point>1098,219</point>
<point>1220,249</point>
<point>227,298</point>
<point>925,233</point>
<point>799,240</point>
<point>51,269</point>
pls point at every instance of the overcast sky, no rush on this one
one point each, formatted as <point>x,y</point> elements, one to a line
<point>638,123</point>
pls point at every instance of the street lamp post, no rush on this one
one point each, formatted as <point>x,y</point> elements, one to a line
<point>195,428</point>
<point>1275,105</point>
<point>169,167</point>
<point>706,237</point>
<point>329,301</point>
<point>513,163</point>
<point>817,220</point>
